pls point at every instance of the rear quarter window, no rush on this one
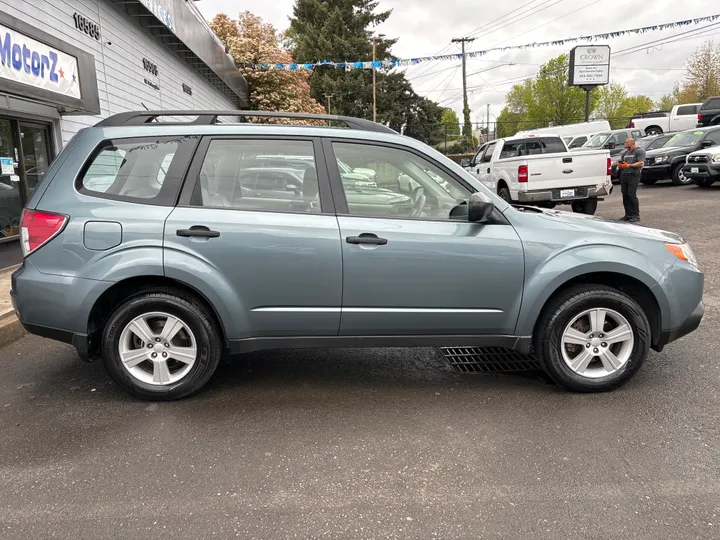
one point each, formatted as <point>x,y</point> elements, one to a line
<point>146,170</point>
<point>713,103</point>
<point>687,110</point>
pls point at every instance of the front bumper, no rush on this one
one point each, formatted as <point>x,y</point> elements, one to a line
<point>555,195</point>
<point>689,325</point>
<point>657,172</point>
<point>704,170</point>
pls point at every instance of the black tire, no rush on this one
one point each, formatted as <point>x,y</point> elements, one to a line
<point>648,181</point>
<point>653,130</point>
<point>704,182</point>
<point>560,311</point>
<point>505,194</point>
<point>678,177</point>
<point>588,206</point>
<point>198,319</point>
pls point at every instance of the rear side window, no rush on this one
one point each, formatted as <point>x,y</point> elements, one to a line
<point>532,147</point>
<point>687,110</point>
<point>713,103</point>
<point>138,170</point>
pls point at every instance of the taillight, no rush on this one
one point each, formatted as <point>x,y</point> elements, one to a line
<point>38,228</point>
<point>609,166</point>
<point>632,124</point>
<point>699,118</point>
<point>523,173</point>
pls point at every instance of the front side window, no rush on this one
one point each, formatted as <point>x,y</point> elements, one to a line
<point>597,141</point>
<point>265,175</point>
<point>136,169</point>
<point>487,156</point>
<point>408,186</point>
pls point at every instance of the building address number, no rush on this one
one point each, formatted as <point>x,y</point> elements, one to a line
<point>86,26</point>
<point>150,67</point>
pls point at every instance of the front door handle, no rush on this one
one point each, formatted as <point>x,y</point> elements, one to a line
<point>198,231</point>
<point>488,170</point>
<point>567,160</point>
<point>371,240</point>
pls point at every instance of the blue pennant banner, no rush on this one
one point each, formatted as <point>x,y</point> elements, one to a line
<point>387,64</point>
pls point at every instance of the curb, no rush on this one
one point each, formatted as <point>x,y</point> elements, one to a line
<point>10,331</point>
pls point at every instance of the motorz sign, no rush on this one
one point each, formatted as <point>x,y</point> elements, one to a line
<point>27,61</point>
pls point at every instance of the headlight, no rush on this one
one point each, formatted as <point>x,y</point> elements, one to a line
<point>661,159</point>
<point>683,252</point>
<point>715,158</point>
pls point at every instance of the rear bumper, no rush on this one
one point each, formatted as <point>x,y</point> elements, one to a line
<point>689,325</point>
<point>555,195</point>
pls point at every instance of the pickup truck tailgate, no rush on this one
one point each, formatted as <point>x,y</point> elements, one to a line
<point>577,169</point>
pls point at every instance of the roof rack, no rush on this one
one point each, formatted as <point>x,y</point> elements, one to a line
<point>136,118</point>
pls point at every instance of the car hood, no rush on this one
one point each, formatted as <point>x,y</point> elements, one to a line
<point>598,224</point>
<point>669,151</point>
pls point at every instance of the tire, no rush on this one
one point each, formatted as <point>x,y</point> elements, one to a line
<point>678,177</point>
<point>588,206</point>
<point>648,181</point>
<point>600,375</point>
<point>653,130</point>
<point>505,195</point>
<point>181,378</point>
<point>704,182</point>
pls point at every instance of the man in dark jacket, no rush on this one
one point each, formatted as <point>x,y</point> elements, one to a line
<point>630,164</point>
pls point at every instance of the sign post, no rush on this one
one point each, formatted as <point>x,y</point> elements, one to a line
<point>589,68</point>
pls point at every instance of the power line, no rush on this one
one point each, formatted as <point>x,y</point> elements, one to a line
<point>529,14</point>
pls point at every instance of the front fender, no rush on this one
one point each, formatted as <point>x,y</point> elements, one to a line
<point>546,278</point>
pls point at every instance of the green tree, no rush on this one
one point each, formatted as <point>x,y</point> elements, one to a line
<point>702,78</point>
<point>451,123</point>
<point>508,123</point>
<point>667,102</point>
<point>632,106</point>
<point>253,42</point>
<point>342,30</point>
<point>547,99</point>
<point>610,100</point>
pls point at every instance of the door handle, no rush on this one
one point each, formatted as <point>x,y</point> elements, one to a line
<point>488,170</point>
<point>567,171</point>
<point>198,231</point>
<point>369,240</point>
<point>567,160</point>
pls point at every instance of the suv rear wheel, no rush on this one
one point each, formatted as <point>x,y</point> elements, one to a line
<point>161,346</point>
<point>592,338</point>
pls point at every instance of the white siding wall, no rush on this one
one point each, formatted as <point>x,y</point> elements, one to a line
<point>120,73</point>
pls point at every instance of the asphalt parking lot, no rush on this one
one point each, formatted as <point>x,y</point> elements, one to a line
<point>374,444</point>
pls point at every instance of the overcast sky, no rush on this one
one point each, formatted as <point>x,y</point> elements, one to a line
<point>425,28</point>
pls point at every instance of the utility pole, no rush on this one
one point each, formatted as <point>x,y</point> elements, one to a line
<point>328,96</point>
<point>374,95</point>
<point>467,126</point>
<point>487,118</point>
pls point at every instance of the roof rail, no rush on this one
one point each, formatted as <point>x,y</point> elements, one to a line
<point>135,118</point>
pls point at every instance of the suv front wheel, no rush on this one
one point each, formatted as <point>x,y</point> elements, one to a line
<point>592,338</point>
<point>161,346</point>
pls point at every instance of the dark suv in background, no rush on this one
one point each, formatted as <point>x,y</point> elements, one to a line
<point>709,113</point>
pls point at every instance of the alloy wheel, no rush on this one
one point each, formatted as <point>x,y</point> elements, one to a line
<point>157,348</point>
<point>597,343</point>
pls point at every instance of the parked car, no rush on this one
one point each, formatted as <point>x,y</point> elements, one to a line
<point>680,118</point>
<point>577,142</point>
<point>568,130</point>
<point>541,170</point>
<point>703,166</point>
<point>668,162</point>
<point>613,141</point>
<point>709,113</point>
<point>646,143</point>
<point>161,284</point>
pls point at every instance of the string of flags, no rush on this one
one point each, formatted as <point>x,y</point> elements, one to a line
<point>380,64</point>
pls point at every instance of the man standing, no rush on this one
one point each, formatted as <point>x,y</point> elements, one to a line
<point>631,163</point>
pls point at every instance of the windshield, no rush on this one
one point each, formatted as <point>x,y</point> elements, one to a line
<point>686,138</point>
<point>597,140</point>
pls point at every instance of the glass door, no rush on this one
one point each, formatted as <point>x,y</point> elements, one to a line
<point>36,152</point>
<point>11,199</point>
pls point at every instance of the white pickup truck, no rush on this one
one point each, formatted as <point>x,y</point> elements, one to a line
<point>680,118</point>
<point>541,171</point>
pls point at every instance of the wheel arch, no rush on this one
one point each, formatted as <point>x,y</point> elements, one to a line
<point>133,286</point>
<point>653,127</point>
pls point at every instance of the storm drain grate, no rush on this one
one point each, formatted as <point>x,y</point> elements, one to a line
<point>488,360</point>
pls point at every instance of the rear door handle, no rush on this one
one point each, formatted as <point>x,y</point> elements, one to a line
<point>369,240</point>
<point>488,170</point>
<point>567,171</point>
<point>198,231</point>
<point>567,160</point>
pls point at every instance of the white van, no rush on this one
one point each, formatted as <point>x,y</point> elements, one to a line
<point>571,130</point>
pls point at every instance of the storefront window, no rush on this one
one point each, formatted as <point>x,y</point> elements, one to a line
<point>36,152</point>
<point>10,199</point>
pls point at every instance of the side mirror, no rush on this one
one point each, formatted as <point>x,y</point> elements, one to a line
<point>706,144</point>
<point>480,208</point>
<point>291,187</point>
<point>610,146</point>
<point>465,163</point>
